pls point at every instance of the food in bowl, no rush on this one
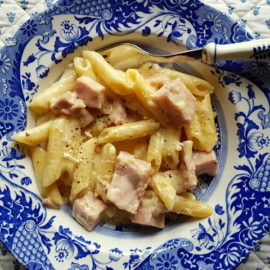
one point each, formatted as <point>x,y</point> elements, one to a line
<point>122,146</point>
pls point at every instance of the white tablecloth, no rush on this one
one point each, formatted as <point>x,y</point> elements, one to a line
<point>252,15</point>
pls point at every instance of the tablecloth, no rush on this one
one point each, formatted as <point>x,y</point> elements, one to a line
<point>251,14</point>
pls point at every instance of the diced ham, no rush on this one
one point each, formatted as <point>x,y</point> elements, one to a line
<point>118,115</point>
<point>130,179</point>
<point>90,91</point>
<point>176,101</point>
<point>205,163</point>
<point>67,103</point>
<point>188,166</point>
<point>70,104</point>
<point>88,210</point>
<point>151,211</point>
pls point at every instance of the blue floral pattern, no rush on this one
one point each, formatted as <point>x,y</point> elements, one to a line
<point>216,242</point>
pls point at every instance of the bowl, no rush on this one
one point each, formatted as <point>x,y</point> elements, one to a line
<point>239,194</point>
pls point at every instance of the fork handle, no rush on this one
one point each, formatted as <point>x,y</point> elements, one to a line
<point>255,50</point>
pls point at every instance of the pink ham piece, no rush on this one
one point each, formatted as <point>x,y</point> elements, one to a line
<point>188,166</point>
<point>130,179</point>
<point>150,213</point>
<point>90,91</point>
<point>69,104</point>
<point>88,210</point>
<point>205,163</point>
<point>176,101</point>
<point>118,115</point>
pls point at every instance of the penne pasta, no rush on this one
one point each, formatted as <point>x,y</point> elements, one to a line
<point>63,140</point>
<point>104,167</point>
<point>38,155</point>
<point>112,78</point>
<point>164,188</point>
<point>127,131</point>
<point>191,207</point>
<point>202,130</point>
<point>83,177</point>
<point>171,146</point>
<point>33,136</point>
<point>154,154</point>
<point>83,67</point>
<point>188,195</point>
<point>144,91</point>
<point>53,165</point>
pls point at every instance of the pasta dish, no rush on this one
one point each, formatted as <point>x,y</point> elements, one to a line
<point>122,146</point>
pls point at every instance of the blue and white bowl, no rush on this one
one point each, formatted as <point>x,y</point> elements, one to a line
<point>240,194</point>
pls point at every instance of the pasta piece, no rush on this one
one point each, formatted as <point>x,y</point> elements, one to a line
<point>132,103</point>
<point>83,177</point>
<point>197,86</point>
<point>112,78</point>
<point>154,155</point>
<point>83,67</point>
<point>52,197</point>
<point>38,155</point>
<point>33,136</point>
<point>127,131</point>
<point>136,147</point>
<point>171,146</point>
<point>191,207</point>
<point>133,57</point>
<point>64,138</point>
<point>140,150</point>
<point>41,102</point>
<point>44,118</point>
<point>188,195</point>
<point>202,130</point>
<point>53,167</point>
<point>164,188</point>
<point>104,167</point>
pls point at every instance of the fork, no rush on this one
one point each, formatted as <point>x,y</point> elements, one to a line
<point>254,50</point>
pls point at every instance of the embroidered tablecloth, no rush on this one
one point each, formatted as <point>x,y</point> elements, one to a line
<point>251,14</point>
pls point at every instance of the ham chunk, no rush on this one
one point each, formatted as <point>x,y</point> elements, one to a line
<point>130,179</point>
<point>90,91</point>
<point>188,166</point>
<point>176,101</point>
<point>205,163</point>
<point>70,104</point>
<point>118,115</point>
<point>88,210</point>
<point>151,211</point>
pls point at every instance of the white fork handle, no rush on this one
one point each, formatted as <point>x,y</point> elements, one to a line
<point>254,50</point>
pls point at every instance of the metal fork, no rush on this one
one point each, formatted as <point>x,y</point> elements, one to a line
<point>254,50</point>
